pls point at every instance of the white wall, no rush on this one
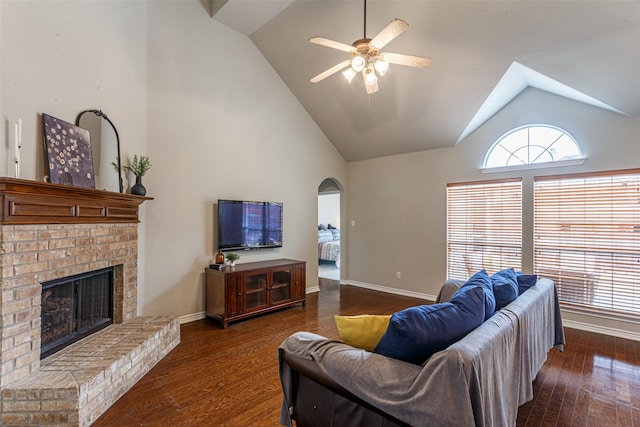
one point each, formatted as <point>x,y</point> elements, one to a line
<point>221,125</point>
<point>218,123</point>
<point>329,209</point>
<point>62,57</point>
<point>399,202</point>
<point>195,96</point>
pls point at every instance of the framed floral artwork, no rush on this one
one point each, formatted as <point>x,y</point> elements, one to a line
<point>68,153</point>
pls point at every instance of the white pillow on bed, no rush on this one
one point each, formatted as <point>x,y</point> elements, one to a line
<point>325,236</point>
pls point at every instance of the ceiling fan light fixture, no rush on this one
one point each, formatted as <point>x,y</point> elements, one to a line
<point>381,67</point>
<point>349,74</point>
<point>371,88</point>
<point>358,63</point>
<point>369,76</point>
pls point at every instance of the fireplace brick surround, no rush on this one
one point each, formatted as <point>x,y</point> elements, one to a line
<point>48,232</point>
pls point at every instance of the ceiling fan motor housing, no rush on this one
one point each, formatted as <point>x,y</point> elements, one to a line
<point>363,48</point>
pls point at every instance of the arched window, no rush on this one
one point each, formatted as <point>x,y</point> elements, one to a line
<point>533,145</point>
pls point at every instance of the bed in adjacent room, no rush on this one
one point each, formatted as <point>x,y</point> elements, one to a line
<point>328,244</point>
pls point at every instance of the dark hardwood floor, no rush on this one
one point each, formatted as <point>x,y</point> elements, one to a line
<point>229,377</point>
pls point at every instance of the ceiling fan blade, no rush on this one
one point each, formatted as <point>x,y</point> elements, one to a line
<point>409,60</point>
<point>332,44</point>
<point>330,71</point>
<point>388,33</point>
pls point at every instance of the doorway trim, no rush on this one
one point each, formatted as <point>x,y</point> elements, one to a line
<point>334,186</point>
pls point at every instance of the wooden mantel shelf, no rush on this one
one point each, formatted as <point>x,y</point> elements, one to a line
<point>33,202</point>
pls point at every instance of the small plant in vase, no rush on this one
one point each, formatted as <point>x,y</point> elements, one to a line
<point>232,258</point>
<point>139,166</point>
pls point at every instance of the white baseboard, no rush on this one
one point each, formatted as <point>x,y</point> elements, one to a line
<point>605,330</point>
<point>389,290</point>
<point>589,327</point>
<point>188,318</point>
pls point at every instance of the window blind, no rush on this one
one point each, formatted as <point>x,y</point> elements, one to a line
<point>587,238</point>
<point>484,227</point>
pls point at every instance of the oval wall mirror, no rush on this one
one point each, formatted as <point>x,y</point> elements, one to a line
<point>105,149</point>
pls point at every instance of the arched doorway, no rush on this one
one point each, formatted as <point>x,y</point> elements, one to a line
<point>330,256</point>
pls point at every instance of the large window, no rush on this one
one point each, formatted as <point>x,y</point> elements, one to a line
<point>484,227</point>
<point>587,238</point>
<point>532,145</point>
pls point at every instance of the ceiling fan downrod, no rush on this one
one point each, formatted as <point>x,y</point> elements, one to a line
<point>364,35</point>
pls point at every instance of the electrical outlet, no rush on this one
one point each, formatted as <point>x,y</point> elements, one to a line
<point>398,275</point>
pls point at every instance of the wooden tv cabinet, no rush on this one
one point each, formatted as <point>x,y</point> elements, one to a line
<point>253,288</point>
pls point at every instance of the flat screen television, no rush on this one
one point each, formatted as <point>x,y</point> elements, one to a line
<point>244,225</point>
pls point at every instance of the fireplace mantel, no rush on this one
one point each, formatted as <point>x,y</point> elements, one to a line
<point>33,202</point>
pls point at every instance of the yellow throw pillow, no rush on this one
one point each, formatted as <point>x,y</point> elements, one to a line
<point>363,331</point>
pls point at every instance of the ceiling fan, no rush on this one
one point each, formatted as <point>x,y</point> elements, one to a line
<point>366,57</point>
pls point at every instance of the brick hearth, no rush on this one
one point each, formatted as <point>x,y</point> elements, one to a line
<point>99,229</point>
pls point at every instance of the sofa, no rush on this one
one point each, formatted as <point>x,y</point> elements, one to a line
<point>480,380</point>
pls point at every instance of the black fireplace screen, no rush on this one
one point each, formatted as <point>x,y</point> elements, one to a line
<point>75,307</point>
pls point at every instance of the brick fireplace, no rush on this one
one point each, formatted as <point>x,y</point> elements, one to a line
<point>48,232</point>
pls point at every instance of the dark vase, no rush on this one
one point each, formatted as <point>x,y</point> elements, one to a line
<point>137,188</point>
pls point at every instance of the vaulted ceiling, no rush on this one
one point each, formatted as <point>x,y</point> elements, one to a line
<point>484,53</point>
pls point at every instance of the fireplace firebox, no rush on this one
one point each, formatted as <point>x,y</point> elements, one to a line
<point>74,307</point>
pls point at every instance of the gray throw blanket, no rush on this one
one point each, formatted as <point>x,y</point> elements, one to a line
<point>480,380</point>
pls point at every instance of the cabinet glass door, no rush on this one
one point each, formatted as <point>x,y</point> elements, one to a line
<point>281,286</point>
<point>255,291</point>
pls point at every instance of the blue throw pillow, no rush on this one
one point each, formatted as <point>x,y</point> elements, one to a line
<point>481,278</point>
<point>416,333</point>
<point>505,287</point>
<point>525,281</point>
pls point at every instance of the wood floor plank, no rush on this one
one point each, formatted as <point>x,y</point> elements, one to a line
<point>636,416</point>
<point>229,377</point>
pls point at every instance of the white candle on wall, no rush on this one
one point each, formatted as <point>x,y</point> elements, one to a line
<point>16,158</point>
<point>16,139</point>
<point>19,133</point>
